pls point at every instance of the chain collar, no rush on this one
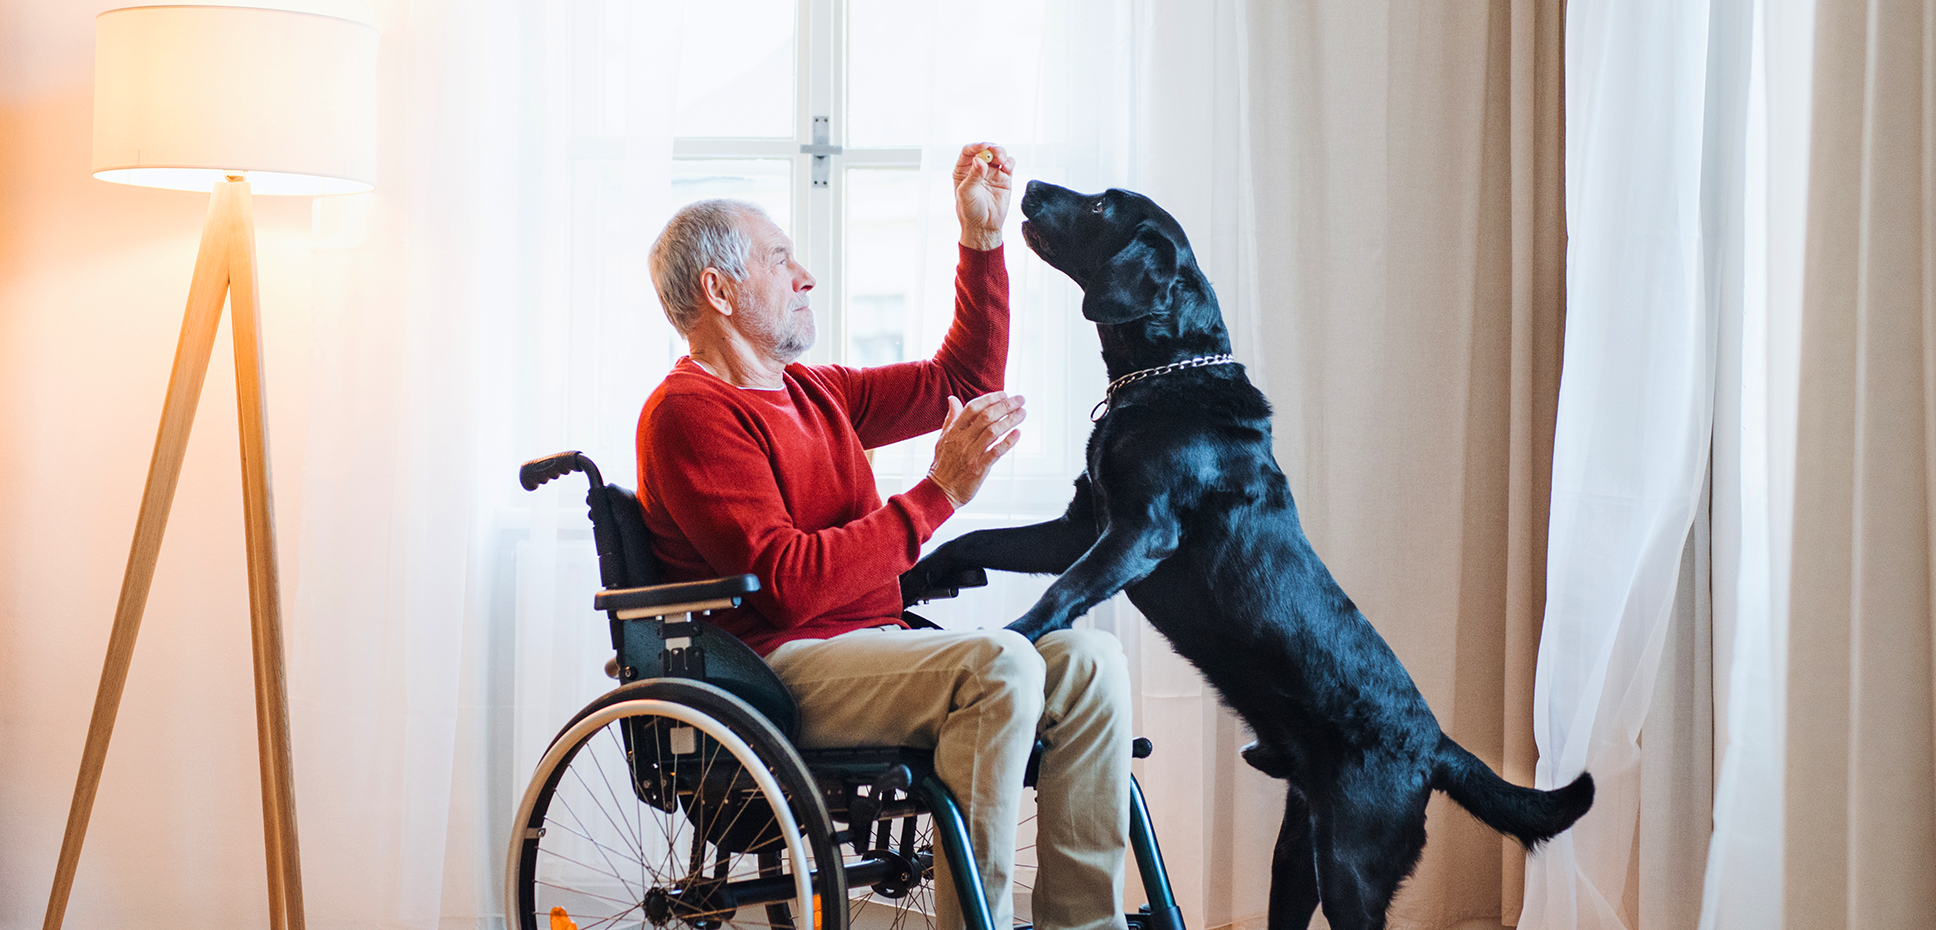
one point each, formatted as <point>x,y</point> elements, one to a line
<point>1202,361</point>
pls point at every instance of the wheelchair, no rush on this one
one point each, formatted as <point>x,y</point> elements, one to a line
<point>678,800</point>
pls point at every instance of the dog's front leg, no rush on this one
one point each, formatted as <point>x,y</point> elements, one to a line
<point>1037,549</point>
<point>1047,548</point>
<point>1124,555</point>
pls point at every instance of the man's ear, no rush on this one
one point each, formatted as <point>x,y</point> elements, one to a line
<point>719,291</point>
<point>1137,282</point>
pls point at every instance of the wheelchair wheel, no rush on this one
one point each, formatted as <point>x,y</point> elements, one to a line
<point>672,804</point>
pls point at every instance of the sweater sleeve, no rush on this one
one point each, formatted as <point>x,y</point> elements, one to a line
<point>900,401</point>
<point>717,481</point>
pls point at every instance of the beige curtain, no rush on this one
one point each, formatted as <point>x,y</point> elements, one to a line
<point>1860,817</point>
<point>1411,247</point>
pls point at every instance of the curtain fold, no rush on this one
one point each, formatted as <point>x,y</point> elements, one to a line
<point>1631,441</point>
<point>1537,65</point>
<point>1407,171</point>
<point>1754,469</point>
<point>1859,818</point>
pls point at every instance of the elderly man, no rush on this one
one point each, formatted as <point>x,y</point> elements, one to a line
<point>751,462</point>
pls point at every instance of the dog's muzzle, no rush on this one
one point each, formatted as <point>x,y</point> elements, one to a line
<point>1035,240</point>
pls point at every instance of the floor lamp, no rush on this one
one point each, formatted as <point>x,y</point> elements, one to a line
<point>232,98</point>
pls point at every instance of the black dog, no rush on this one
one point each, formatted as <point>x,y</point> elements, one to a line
<point>1183,505</point>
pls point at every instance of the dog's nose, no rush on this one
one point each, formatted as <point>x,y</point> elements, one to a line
<point>1032,198</point>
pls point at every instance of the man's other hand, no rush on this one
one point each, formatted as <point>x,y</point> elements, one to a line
<point>973,437</point>
<point>983,186</point>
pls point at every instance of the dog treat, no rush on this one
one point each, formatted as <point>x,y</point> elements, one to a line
<point>987,155</point>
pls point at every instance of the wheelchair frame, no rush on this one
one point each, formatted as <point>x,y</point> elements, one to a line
<point>678,673</point>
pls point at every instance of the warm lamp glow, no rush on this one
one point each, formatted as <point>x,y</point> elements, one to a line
<point>185,95</point>
<point>260,182</point>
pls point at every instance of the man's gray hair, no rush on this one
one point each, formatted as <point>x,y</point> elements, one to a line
<point>707,234</point>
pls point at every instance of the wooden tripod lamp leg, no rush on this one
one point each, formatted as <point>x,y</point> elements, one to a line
<point>265,597</point>
<point>226,255</point>
<point>204,314</point>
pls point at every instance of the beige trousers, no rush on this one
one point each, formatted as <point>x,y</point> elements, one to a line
<point>979,699</point>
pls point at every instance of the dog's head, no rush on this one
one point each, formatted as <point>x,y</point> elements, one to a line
<point>1128,254</point>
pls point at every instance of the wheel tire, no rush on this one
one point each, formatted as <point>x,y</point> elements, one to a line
<point>716,784</point>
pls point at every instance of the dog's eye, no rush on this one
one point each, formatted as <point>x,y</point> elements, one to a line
<point>1096,208</point>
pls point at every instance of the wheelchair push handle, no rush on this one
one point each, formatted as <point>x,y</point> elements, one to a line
<point>538,471</point>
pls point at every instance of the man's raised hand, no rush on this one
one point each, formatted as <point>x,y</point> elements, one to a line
<point>984,183</point>
<point>973,437</point>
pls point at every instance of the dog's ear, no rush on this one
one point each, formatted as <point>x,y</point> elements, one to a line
<point>1137,282</point>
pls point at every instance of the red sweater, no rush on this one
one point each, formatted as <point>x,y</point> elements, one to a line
<point>775,483</point>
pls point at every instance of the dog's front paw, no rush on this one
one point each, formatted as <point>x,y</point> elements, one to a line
<point>916,582</point>
<point>1036,624</point>
<point>1031,631</point>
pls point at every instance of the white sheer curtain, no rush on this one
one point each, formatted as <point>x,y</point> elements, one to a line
<point>1632,439</point>
<point>1754,475</point>
<point>486,305</point>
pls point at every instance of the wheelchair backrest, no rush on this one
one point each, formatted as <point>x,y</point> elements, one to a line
<point>659,647</point>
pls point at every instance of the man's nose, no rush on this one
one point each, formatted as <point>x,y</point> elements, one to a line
<point>804,280</point>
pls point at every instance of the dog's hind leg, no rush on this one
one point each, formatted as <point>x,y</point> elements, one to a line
<point>1367,841</point>
<point>1294,875</point>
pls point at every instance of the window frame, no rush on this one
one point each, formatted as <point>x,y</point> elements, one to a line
<point>819,211</point>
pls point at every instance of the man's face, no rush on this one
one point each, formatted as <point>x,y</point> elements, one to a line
<point>770,305</point>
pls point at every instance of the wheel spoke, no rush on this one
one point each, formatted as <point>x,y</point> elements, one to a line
<point>612,866</point>
<point>586,894</point>
<point>620,803</point>
<point>602,847</point>
<point>613,920</point>
<point>591,794</point>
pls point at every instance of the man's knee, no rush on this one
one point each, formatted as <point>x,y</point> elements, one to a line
<point>1087,660</point>
<point>1007,660</point>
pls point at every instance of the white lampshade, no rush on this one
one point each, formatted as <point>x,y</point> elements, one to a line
<point>184,95</point>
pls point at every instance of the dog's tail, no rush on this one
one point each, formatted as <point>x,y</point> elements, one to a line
<point>1530,815</point>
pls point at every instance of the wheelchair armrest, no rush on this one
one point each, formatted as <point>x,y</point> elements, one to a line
<point>681,597</point>
<point>951,585</point>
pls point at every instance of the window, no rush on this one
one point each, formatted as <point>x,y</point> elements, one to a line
<point>767,123</point>
<point>843,118</point>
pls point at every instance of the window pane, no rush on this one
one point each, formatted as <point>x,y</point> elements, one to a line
<point>900,263</point>
<point>736,69</point>
<point>884,263</point>
<point>764,181</point>
<point>921,73</point>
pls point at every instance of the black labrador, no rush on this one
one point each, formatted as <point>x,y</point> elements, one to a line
<point>1183,505</point>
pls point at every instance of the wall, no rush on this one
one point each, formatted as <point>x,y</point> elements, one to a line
<point>93,280</point>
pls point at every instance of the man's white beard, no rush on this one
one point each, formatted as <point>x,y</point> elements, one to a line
<point>779,339</point>
<point>795,341</point>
